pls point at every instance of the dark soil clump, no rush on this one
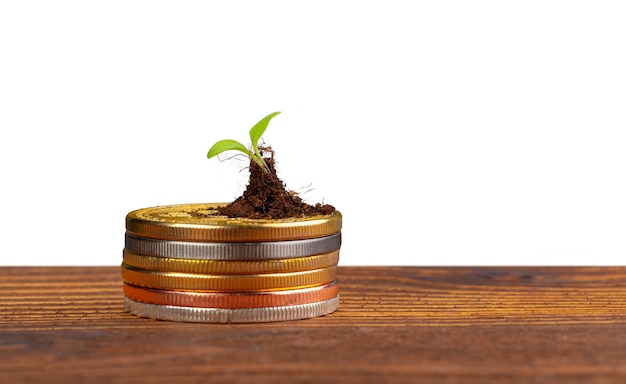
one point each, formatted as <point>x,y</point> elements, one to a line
<point>266,196</point>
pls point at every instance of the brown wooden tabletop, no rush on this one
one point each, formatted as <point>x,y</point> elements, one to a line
<point>394,324</point>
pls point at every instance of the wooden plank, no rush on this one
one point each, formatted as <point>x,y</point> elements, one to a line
<point>395,324</point>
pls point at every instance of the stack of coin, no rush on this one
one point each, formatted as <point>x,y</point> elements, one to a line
<point>188,263</point>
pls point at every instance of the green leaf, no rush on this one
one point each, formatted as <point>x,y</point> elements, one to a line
<point>227,145</point>
<point>257,131</point>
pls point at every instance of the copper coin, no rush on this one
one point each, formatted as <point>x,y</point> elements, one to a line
<point>233,299</point>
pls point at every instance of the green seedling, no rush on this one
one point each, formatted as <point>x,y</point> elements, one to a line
<point>255,134</point>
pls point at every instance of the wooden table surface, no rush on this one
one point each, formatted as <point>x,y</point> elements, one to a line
<point>394,325</point>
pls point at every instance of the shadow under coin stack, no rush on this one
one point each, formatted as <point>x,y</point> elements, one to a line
<point>187,263</point>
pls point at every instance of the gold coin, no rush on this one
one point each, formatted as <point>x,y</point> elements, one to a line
<point>227,283</point>
<point>221,267</point>
<point>201,222</point>
<point>232,299</point>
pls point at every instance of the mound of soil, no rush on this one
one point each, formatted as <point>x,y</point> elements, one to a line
<point>266,196</point>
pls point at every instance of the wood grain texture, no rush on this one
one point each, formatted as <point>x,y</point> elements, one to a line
<point>394,324</point>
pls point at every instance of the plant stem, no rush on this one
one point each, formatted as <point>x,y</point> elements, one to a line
<point>259,160</point>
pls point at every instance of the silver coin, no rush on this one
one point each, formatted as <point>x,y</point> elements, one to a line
<point>232,251</point>
<point>220,315</point>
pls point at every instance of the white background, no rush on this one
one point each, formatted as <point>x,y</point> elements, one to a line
<point>446,132</point>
